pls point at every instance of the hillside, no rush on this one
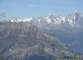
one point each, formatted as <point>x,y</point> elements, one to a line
<point>20,41</point>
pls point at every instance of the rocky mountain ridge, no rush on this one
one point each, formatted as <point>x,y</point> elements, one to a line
<point>19,41</point>
<point>73,20</point>
<point>67,29</point>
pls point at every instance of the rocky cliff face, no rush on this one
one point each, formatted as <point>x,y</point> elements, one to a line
<point>19,41</point>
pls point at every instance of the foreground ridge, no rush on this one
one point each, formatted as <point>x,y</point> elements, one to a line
<point>22,41</point>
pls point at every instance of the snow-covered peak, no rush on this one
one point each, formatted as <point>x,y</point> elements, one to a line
<point>49,14</point>
<point>27,19</point>
<point>72,19</point>
<point>75,16</point>
<point>76,10</point>
<point>39,15</point>
<point>14,19</point>
<point>20,20</point>
<point>48,20</point>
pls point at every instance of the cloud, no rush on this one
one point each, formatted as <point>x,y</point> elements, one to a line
<point>2,14</point>
<point>32,5</point>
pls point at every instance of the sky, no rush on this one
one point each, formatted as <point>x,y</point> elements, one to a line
<point>33,8</point>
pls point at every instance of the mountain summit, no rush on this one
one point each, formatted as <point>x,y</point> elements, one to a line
<point>74,20</point>
<point>75,11</point>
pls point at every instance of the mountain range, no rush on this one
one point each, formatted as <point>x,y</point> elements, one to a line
<point>45,38</point>
<point>19,41</point>
<point>68,29</point>
<point>73,20</point>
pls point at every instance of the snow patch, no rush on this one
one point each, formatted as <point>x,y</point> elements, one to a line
<point>48,20</point>
<point>74,17</point>
<point>20,20</point>
<point>54,19</point>
<point>27,19</point>
<point>38,20</point>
